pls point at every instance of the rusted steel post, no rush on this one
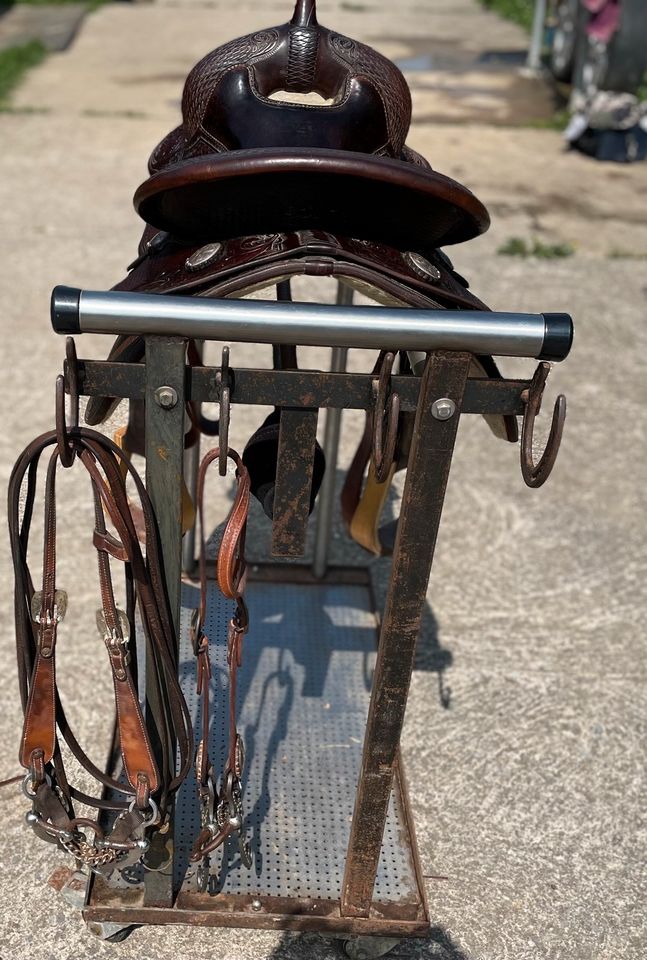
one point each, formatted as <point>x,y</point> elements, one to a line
<point>444,377</point>
<point>297,437</point>
<point>165,382</point>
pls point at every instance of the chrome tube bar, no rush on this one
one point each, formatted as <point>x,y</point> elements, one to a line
<point>543,336</point>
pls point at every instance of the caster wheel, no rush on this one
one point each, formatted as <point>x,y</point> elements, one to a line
<point>368,948</point>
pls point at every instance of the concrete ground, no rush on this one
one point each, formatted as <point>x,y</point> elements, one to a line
<point>525,735</point>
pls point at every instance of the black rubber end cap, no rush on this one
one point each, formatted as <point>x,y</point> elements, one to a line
<point>558,338</point>
<point>64,309</point>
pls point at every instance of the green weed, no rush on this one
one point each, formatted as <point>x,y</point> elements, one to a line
<point>518,247</point>
<point>13,64</point>
<point>520,11</point>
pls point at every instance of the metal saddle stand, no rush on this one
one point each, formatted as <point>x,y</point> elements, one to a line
<point>323,689</point>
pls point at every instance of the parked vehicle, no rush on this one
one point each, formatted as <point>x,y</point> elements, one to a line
<point>600,44</point>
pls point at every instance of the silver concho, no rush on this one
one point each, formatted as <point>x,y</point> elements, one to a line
<point>421,266</point>
<point>204,256</point>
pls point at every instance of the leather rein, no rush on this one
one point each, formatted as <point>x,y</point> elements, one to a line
<point>221,810</point>
<point>137,802</point>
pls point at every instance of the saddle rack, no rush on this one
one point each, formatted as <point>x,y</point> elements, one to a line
<point>331,827</point>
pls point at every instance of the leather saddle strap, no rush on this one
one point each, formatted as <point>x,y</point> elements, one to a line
<point>362,502</point>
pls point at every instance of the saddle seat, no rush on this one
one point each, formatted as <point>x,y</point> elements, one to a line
<point>242,163</point>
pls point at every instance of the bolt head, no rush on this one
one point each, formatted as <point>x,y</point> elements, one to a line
<point>443,409</point>
<point>257,905</point>
<point>166,397</point>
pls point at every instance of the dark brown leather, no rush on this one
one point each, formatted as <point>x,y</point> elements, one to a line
<point>219,197</point>
<point>221,803</point>
<point>226,103</point>
<point>45,718</point>
<point>242,163</point>
<point>260,456</point>
<point>238,267</point>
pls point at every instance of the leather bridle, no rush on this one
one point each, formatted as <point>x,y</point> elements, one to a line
<point>221,809</point>
<point>138,801</point>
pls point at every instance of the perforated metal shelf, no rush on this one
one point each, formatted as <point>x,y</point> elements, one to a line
<point>303,693</point>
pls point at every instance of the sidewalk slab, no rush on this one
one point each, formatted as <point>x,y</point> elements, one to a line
<point>54,25</point>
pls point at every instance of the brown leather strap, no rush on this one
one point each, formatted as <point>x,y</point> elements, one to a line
<point>362,502</point>
<point>45,719</point>
<point>219,819</point>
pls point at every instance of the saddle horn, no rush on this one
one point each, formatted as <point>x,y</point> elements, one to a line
<point>305,14</point>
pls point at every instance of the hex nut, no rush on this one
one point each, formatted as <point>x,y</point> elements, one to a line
<point>166,397</point>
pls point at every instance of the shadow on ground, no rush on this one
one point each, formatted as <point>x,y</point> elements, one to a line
<point>437,946</point>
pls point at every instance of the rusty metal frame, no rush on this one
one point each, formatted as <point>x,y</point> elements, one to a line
<point>296,388</point>
<point>430,457</point>
<point>128,906</point>
<point>445,375</point>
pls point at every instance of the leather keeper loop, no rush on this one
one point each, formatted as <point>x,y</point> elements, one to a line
<point>110,544</point>
<point>37,768</point>
<point>47,639</point>
<point>142,797</point>
<point>118,657</point>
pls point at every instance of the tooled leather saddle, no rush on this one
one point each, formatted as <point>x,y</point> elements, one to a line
<point>253,188</point>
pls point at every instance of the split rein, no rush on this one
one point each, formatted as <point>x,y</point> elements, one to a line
<point>221,808</point>
<point>138,802</point>
<point>132,806</point>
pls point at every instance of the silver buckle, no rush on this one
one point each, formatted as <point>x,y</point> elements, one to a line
<point>56,615</point>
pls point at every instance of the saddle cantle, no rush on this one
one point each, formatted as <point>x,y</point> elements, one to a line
<point>243,163</point>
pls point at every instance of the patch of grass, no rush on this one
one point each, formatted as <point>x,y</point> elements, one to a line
<point>520,11</point>
<point>518,247</point>
<point>13,64</point>
<point>36,3</point>
<point>618,253</point>
<point>514,247</point>
<point>23,111</point>
<point>558,121</point>
<point>128,114</point>
<point>641,92</point>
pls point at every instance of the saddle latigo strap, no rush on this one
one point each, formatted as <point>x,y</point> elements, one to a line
<point>221,811</point>
<point>363,500</point>
<point>38,614</point>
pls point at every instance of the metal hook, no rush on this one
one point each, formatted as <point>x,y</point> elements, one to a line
<point>536,474</point>
<point>224,382</point>
<point>66,450</point>
<point>387,411</point>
